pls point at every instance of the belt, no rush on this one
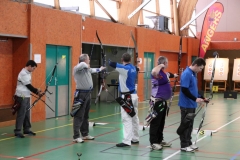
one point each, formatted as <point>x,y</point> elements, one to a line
<point>130,92</point>
<point>156,99</point>
<point>83,91</point>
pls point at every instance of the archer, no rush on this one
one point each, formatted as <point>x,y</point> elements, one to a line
<point>22,99</point>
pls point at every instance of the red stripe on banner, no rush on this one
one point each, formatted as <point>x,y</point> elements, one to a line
<point>209,27</point>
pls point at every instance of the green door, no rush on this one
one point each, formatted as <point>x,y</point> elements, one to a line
<point>59,86</point>
<point>148,66</point>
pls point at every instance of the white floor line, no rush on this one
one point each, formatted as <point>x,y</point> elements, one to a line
<point>226,124</point>
<point>202,138</point>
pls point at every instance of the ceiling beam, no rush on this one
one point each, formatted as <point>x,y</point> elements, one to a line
<point>105,11</point>
<point>116,0</point>
<point>141,19</point>
<point>172,16</point>
<point>56,4</point>
<point>157,6</point>
<point>92,8</point>
<point>185,11</point>
<point>118,7</point>
<point>127,7</point>
<point>175,18</point>
<point>150,12</point>
<point>192,32</point>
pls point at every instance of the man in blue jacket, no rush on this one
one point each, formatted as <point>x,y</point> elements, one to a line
<point>188,99</point>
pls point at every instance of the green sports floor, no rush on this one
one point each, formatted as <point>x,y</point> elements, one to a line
<point>54,136</point>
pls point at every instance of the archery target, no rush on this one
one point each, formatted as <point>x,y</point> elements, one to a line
<point>236,70</point>
<point>221,69</point>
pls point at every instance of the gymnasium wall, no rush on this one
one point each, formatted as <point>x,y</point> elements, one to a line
<point>49,26</point>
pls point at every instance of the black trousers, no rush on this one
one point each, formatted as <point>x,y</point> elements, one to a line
<point>186,137</point>
<point>157,124</point>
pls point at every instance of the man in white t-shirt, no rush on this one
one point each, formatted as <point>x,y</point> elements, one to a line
<point>22,96</point>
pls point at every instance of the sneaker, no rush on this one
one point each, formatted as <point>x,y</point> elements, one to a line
<point>134,142</point>
<point>156,146</point>
<point>19,135</point>
<point>187,149</point>
<point>31,133</point>
<point>193,146</point>
<point>122,145</point>
<point>88,138</point>
<point>165,144</point>
<point>78,140</point>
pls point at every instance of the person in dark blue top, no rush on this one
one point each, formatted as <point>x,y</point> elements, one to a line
<point>127,79</point>
<point>188,99</point>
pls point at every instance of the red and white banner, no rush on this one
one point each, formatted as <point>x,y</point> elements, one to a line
<point>209,27</point>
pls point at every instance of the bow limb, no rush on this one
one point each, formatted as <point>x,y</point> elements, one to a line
<point>103,72</point>
<point>42,101</point>
<point>136,51</point>
<point>210,96</point>
<point>45,90</point>
<point>176,78</point>
<point>212,78</point>
<point>137,60</point>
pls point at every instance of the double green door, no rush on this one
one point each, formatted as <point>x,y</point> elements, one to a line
<point>58,98</point>
<point>148,66</point>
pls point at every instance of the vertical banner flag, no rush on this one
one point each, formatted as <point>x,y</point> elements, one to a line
<point>211,20</point>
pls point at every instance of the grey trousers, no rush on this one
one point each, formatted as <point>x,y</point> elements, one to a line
<point>23,116</point>
<point>80,121</point>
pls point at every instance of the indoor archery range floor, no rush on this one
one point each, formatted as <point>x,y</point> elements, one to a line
<point>54,136</point>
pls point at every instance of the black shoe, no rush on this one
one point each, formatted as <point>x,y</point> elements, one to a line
<point>136,142</point>
<point>122,145</point>
<point>30,133</point>
<point>19,135</point>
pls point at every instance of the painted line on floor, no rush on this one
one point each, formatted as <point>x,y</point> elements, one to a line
<point>235,156</point>
<point>66,145</point>
<point>4,139</point>
<point>226,124</point>
<point>202,138</point>
<point>53,128</point>
<point>233,113</point>
<point>108,132</point>
<point>36,154</point>
<point>64,125</point>
<point>103,127</point>
<point>14,157</point>
<point>180,150</point>
<point>111,115</point>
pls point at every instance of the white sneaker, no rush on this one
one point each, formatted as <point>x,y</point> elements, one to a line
<point>193,146</point>
<point>165,144</point>
<point>187,149</point>
<point>156,146</point>
<point>88,138</point>
<point>78,140</point>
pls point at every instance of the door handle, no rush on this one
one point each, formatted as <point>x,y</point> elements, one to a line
<point>55,81</point>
